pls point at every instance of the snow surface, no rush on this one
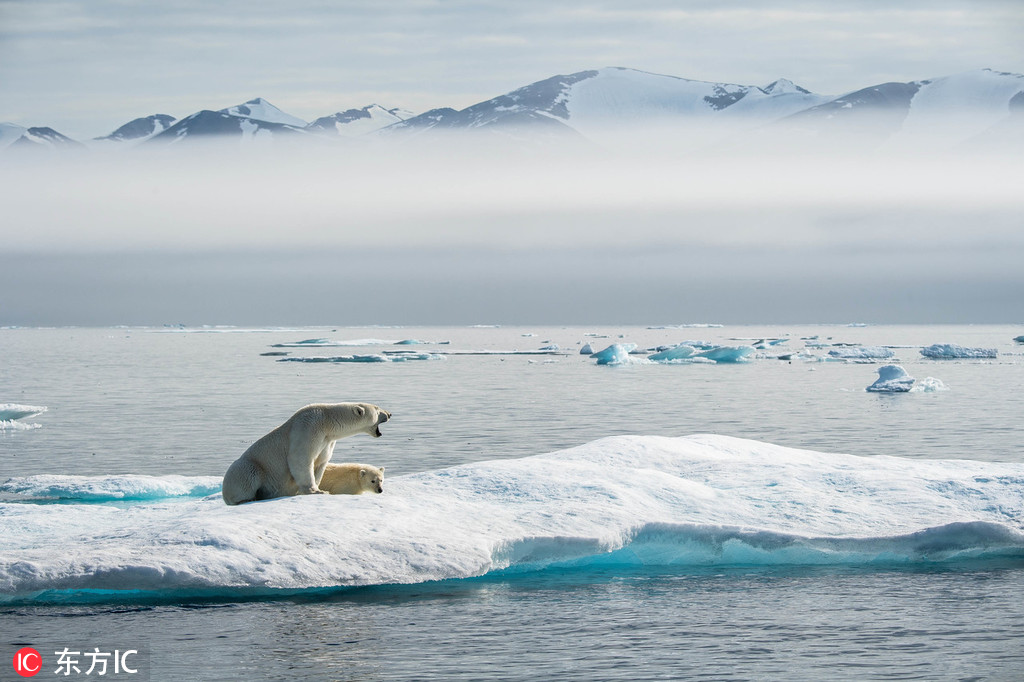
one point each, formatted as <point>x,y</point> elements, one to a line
<point>629,500</point>
<point>952,350</point>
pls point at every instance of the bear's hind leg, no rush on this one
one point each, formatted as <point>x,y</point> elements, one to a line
<point>243,482</point>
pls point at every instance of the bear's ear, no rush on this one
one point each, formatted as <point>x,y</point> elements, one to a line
<point>360,410</point>
<point>362,473</point>
<point>382,470</point>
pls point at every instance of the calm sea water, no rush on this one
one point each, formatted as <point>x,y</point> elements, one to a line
<point>174,402</point>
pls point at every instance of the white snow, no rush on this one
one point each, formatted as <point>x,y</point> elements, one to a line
<point>629,500</point>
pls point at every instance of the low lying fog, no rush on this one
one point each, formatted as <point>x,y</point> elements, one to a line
<point>509,233</point>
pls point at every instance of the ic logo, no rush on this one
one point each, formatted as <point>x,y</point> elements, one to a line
<point>27,662</point>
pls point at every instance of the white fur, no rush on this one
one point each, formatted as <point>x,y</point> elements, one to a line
<point>352,479</point>
<point>290,460</point>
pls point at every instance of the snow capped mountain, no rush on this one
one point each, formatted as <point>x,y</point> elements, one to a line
<point>140,129</point>
<point>628,109</point>
<point>353,122</point>
<point>44,139</point>
<point>208,125</point>
<point>952,109</point>
<point>260,109</point>
<point>602,103</point>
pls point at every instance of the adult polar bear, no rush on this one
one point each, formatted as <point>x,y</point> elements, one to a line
<point>290,460</point>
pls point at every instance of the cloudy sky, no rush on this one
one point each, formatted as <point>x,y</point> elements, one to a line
<point>239,239</point>
<point>84,67</point>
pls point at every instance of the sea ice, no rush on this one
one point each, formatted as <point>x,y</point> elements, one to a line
<point>586,349</point>
<point>1019,339</point>
<point>615,354</point>
<point>727,354</point>
<point>698,501</point>
<point>892,379</point>
<point>951,350</point>
<point>861,353</point>
<point>12,413</point>
<point>680,352</point>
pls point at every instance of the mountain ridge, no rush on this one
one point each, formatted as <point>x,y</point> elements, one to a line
<point>616,105</point>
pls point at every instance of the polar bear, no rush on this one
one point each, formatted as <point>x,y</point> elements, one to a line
<point>352,479</point>
<point>290,460</point>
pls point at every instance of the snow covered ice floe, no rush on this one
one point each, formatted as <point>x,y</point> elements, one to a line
<point>628,500</point>
<point>951,350</point>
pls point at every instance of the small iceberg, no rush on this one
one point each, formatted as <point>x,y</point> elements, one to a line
<point>12,413</point>
<point>892,379</point>
<point>953,351</point>
<point>586,350</point>
<point>1019,339</point>
<point>861,353</point>
<point>615,354</point>
<point>929,385</point>
<point>551,347</point>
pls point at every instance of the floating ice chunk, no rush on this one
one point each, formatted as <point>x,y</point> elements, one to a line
<point>615,354</point>
<point>680,352</point>
<point>726,354</point>
<point>861,353</point>
<point>1019,339</point>
<point>951,350</point>
<point>329,343</point>
<point>892,379</point>
<point>410,342</point>
<point>586,350</point>
<point>553,346</point>
<point>12,411</point>
<point>372,357</point>
<point>929,385</point>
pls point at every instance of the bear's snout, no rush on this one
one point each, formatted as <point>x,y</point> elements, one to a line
<point>384,416</point>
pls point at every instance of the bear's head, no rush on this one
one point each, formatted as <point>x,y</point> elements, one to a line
<point>372,479</point>
<point>370,417</point>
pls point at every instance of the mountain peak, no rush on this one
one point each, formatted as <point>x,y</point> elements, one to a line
<point>260,109</point>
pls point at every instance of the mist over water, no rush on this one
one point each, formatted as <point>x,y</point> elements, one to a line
<point>464,229</point>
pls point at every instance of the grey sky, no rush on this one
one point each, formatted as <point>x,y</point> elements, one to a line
<point>85,67</point>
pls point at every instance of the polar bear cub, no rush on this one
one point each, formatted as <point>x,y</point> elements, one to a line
<point>352,479</point>
<point>291,459</point>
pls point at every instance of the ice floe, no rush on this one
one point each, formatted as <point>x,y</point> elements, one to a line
<point>953,351</point>
<point>697,501</point>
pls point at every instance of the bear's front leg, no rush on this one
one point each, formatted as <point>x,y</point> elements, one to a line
<point>302,464</point>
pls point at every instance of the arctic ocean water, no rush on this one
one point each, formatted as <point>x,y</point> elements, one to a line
<point>544,517</point>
